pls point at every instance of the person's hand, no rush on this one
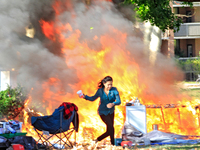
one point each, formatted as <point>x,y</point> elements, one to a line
<point>110,105</point>
<point>83,95</point>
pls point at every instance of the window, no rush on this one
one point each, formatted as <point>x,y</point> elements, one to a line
<point>188,19</point>
<point>189,50</point>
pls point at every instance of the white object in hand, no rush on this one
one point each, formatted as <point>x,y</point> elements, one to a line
<point>80,93</point>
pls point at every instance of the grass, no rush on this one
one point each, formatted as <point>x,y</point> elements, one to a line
<point>171,147</point>
<point>191,92</point>
<point>189,82</point>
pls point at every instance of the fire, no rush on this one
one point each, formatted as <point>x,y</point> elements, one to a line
<point>113,58</point>
<point>48,29</point>
<point>180,120</point>
<point>86,60</point>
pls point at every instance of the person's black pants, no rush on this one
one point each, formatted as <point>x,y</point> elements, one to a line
<point>109,121</point>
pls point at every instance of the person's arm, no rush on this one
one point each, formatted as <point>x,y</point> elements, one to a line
<point>118,100</point>
<point>92,98</point>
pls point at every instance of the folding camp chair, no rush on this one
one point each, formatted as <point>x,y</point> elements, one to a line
<point>57,126</point>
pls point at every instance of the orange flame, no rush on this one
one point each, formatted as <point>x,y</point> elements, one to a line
<point>115,60</point>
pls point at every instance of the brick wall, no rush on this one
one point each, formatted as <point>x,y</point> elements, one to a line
<point>197,47</point>
<point>197,14</point>
<point>184,43</point>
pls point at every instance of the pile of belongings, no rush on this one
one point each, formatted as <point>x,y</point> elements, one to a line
<point>11,126</point>
<point>155,137</point>
<point>26,141</point>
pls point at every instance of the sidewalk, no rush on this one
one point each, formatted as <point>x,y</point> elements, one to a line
<point>191,85</point>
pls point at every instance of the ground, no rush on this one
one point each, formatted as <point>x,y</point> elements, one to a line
<point>190,88</point>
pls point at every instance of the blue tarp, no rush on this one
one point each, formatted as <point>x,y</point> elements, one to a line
<point>176,141</point>
<point>156,137</point>
<point>52,123</point>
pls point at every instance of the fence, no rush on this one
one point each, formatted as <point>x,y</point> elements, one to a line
<point>191,67</point>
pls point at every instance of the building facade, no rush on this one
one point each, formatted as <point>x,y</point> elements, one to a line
<point>187,39</point>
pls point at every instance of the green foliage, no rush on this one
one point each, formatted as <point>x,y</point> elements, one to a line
<point>157,12</point>
<point>178,52</point>
<point>190,65</point>
<point>188,3</point>
<point>12,101</point>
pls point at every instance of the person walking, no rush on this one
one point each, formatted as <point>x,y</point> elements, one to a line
<point>109,98</point>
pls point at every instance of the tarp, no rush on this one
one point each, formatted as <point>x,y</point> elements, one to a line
<point>52,123</point>
<point>129,133</point>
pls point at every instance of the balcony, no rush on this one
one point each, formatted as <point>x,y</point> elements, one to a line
<point>180,4</point>
<point>188,31</point>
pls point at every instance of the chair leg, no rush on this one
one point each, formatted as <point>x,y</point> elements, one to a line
<point>63,138</point>
<point>60,134</point>
<point>76,126</point>
<point>43,139</point>
<point>67,136</point>
<point>40,137</point>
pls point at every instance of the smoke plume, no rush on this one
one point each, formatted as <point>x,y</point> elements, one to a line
<point>40,59</point>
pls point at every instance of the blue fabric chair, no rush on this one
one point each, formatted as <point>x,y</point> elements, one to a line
<point>54,124</point>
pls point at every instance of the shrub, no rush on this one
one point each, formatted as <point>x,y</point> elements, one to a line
<point>12,102</point>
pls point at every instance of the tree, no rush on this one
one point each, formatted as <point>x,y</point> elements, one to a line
<point>157,12</point>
